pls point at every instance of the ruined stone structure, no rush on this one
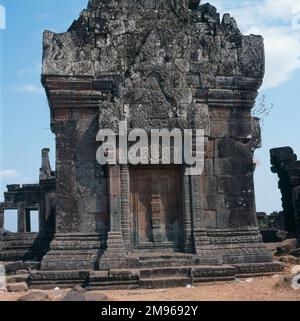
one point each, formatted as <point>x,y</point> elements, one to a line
<point>154,64</point>
<point>274,221</point>
<point>285,164</point>
<point>25,244</point>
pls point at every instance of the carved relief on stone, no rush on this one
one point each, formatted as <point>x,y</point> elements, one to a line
<point>109,116</point>
<point>157,232</point>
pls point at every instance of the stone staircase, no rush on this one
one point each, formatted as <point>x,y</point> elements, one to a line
<point>167,270</point>
<point>166,260</point>
<point>165,277</point>
<point>17,278</point>
<point>142,270</point>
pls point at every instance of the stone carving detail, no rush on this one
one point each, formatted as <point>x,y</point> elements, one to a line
<point>155,209</point>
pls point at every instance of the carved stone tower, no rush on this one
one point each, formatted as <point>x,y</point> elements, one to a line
<point>154,64</point>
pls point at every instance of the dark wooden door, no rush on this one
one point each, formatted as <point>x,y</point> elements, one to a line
<point>156,206</point>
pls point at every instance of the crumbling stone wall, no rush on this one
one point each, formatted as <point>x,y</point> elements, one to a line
<point>24,244</point>
<point>274,221</point>
<point>287,167</point>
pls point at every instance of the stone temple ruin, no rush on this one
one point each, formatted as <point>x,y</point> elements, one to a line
<point>279,226</point>
<point>154,64</point>
<point>285,164</point>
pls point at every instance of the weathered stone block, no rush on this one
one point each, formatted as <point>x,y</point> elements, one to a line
<point>74,296</point>
<point>17,287</point>
<point>209,167</point>
<point>219,129</point>
<point>234,185</point>
<point>241,218</point>
<point>222,166</point>
<point>228,147</point>
<point>240,130</point>
<point>34,297</point>
<point>296,252</point>
<point>209,218</point>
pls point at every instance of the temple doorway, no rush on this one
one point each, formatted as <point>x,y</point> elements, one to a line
<point>156,204</point>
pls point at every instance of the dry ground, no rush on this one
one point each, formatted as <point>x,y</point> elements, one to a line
<point>257,289</point>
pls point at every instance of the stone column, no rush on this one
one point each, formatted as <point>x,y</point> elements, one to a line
<point>187,218</point>
<point>21,219</point>
<point>80,196</point>
<point>28,221</point>
<point>115,255</point>
<point>45,170</point>
<point>114,190</point>
<point>125,206</point>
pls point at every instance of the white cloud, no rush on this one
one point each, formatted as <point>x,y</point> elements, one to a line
<point>282,55</point>
<point>279,9</point>
<point>9,173</point>
<point>276,21</point>
<point>2,17</point>
<point>29,88</point>
<point>35,70</point>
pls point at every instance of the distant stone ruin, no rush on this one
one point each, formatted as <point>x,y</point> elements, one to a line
<point>287,167</point>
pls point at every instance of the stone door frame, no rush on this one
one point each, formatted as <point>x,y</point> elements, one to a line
<point>158,241</point>
<point>121,220</point>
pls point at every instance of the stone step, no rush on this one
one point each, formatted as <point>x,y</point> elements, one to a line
<point>165,272</point>
<point>17,287</point>
<point>15,255</point>
<point>12,268</point>
<point>17,271</point>
<point>18,278</point>
<point>165,263</point>
<point>169,282</point>
<point>175,256</point>
<point>165,260</point>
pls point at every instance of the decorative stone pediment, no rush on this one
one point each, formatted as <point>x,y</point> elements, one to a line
<point>113,37</point>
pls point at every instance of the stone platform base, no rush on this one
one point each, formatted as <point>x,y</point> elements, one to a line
<point>162,277</point>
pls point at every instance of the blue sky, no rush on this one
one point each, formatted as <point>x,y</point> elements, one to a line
<point>25,128</point>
